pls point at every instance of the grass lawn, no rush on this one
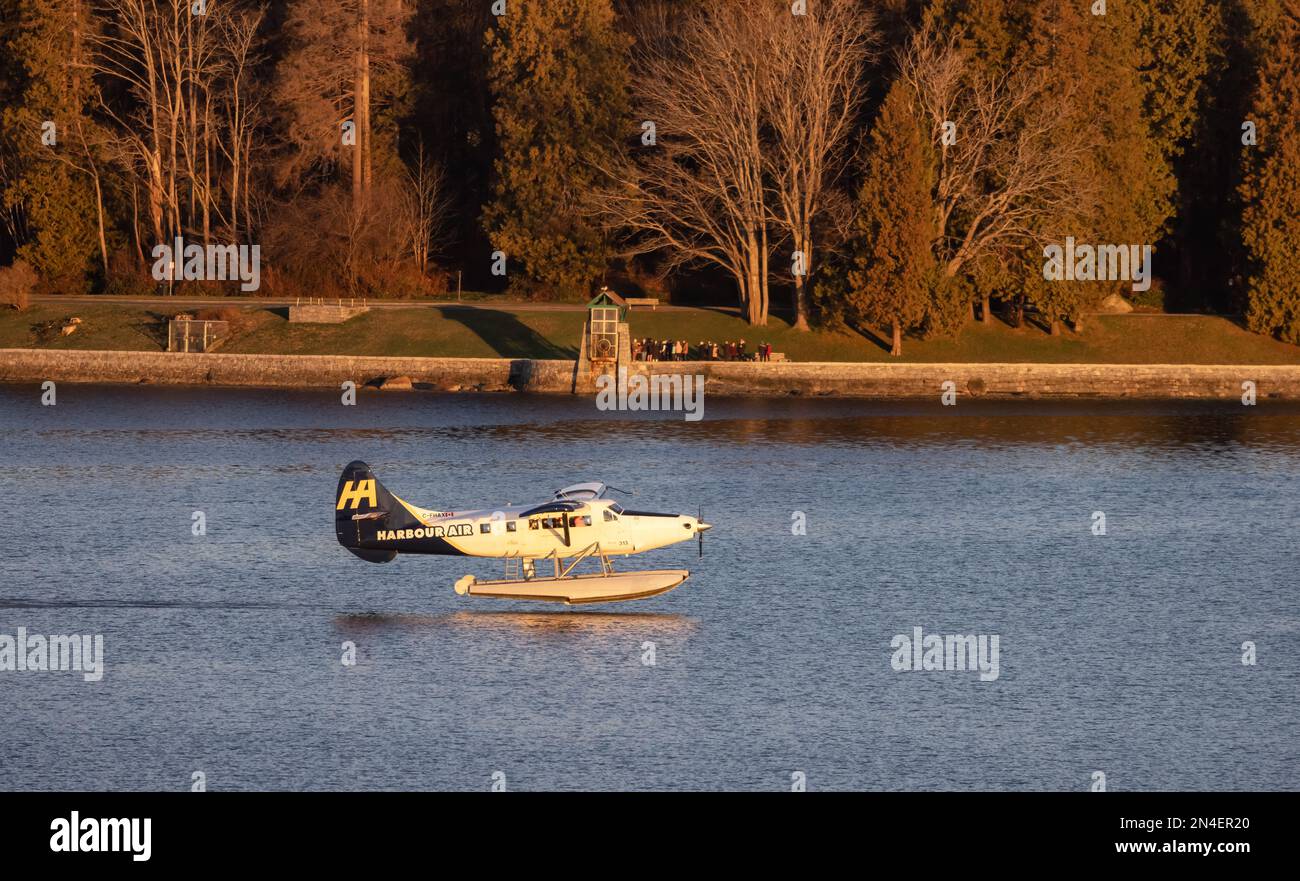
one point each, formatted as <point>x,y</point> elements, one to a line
<point>487,333</point>
<point>102,327</point>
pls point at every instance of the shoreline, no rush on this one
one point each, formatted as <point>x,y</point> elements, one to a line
<point>729,378</point>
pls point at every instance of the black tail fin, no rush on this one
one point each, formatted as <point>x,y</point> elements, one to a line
<point>361,508</point>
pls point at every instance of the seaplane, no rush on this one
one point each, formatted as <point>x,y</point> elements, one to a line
<point>542,544</point>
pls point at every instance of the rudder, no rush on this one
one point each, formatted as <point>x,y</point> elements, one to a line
<point>360,503</point>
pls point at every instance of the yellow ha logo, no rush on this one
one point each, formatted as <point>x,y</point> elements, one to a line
<point>352,496</point>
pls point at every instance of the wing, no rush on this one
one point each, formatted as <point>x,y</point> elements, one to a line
<point>565,505</point>
<point>561,506</point>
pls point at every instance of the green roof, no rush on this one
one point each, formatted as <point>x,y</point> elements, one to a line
<point>606,297</point>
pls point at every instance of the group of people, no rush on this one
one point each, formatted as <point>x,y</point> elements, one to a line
<point>705,350</point>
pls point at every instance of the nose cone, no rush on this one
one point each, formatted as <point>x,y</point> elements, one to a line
<point>701,526</point>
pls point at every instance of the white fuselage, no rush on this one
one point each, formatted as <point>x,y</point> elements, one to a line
<point>505,532</point>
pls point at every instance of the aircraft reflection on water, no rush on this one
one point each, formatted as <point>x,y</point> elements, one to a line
<point>584,621</point>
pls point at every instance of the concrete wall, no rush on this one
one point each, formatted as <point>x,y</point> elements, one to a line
<point>722,378</point>
<point>318,313</point>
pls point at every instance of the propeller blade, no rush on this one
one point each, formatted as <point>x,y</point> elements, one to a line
<point>699,533</point>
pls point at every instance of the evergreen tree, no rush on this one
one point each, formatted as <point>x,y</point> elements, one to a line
<point>1184,43</point>
<point>991,30</point>
<point>1270,188</point>
<point>1093,63</point>
<point>342,82</point>
<point>893,268</point>
<point>1180,42</point>
<point>558,78</point>
<point>49,185</point>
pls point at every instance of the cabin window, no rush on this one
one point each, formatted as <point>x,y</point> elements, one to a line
<point>586,519</point>
<point>532,524</point>
<point>510,526</point>
<point>609,517</point>
<point>575,521</point>
<point>485,527</point>
<point>616,507</point>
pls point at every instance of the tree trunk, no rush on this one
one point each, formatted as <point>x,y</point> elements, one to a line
<point>365,103</point>
<point>360,98</point>
<point>753,286</point>
<point>800,305</point>
<point>135,221</point>
<point>234,193</point>
<point>93,168</point>
<point>984,310</point>
<point>1055,326</point>
<point>207,170</point>
<point>206,203</point>
<point>156,212</point>
<point>897,350</point>
<point>99,214</point>
<point>803,245</point>
<point>248,183</point>
<point>749,297</point>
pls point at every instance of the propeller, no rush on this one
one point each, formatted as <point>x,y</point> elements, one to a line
<point>699,533</point>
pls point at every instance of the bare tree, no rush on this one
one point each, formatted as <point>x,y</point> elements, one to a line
<point>811,104</point>
<point>185,130</point>
<point>1009,164</point>
<point>696,191</point>
<point>162,52</point>
<point>241,108</point>
<point>425,207</point>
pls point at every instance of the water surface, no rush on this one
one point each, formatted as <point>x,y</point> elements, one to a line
<point>1119,653</point>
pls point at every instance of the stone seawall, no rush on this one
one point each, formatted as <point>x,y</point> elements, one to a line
<point>995,380</point>
<point>722,378</point>
<point>283,371</point>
